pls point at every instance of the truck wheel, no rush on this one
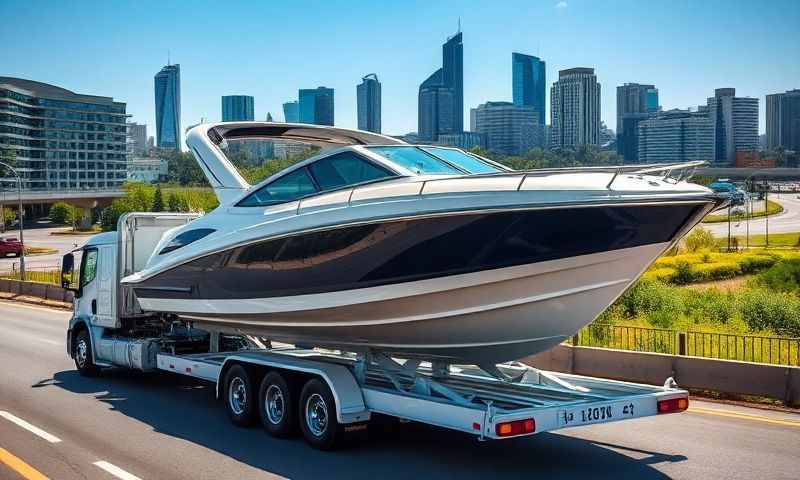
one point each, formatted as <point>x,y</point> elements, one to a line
<point>239,396</point>
<point>318,415</point>
<point>276,406</point>
<point>82,354</point>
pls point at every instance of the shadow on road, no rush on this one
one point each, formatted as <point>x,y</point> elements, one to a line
<point>185,408</point>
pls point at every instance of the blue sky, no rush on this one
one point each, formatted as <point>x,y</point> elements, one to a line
<point>270,49</point>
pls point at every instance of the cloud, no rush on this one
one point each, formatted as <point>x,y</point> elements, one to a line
<point>561,4</point>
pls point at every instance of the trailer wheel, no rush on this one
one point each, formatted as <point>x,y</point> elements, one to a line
<point>318,415</point>
<point>276,406</point>
<point>239,396</point>
<point>82,354</point>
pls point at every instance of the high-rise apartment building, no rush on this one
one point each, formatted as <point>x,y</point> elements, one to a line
<point>575,109</point>
<point>507,128</point>
<point>529,83</point>
<point>63,140</point>
<point>368,100</point>
<point>735,125</point>
<point>291,112</point>
<point>783,120</point>
<point>316,105</point>
<point>441,95</point>
<point>238,108</point>
<point>635,102</point>
<point>137,135</point>
<point>168,107</point>
<point>675,136</point>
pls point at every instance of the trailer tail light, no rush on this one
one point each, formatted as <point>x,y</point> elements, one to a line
<point>517,427</point>
<point>673,405</point>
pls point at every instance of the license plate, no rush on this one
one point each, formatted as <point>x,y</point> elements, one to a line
<point>596,413</point>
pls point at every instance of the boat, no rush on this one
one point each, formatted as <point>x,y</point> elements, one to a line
<point>419,250</point>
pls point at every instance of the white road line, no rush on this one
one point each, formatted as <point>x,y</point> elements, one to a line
<point>51,342</point>
<point>115,470</point>
<point>31,428</point>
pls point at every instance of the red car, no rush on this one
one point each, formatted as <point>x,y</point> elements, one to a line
<point>10,246</point>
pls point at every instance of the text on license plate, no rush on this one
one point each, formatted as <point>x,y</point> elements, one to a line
<point>593,414</point>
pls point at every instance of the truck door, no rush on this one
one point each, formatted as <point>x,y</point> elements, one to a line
<point>105,315</point>
<point>86,296</point>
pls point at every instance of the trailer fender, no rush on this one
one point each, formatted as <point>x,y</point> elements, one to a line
<point>350,406</point>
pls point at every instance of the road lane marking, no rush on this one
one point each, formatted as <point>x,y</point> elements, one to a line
<point>744,416</point>
<point>19,466</point>
<point>51,342</point>
<point>115,470</point>
<point>31,428</point>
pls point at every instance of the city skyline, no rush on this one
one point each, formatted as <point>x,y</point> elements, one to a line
<point>670,54</point>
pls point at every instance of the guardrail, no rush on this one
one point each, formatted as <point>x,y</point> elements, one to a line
<point>723,346</point>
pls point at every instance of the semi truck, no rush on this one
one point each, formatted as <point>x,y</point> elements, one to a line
<point>328,396</point>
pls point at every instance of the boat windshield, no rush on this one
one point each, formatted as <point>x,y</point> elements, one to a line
<point>417,160</point>
<point>462,160</point>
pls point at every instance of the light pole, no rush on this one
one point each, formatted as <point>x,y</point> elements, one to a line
<point>21,229</point>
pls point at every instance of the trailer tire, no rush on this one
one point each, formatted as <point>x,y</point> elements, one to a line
<point>82,354</point>
<point>240,397</point>
<point>317,414</point>
<point>276,406</point>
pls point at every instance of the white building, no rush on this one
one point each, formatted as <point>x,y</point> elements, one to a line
<point>676,136</point>
<point>575,109</point>
<point>735,125</point>
<point>147,169</point>
<point>507,128</point>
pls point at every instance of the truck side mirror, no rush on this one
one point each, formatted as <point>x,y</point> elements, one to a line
<point>68,272</point>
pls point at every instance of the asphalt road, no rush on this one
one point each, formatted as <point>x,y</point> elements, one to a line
<point>785,222</point>
<point>41,237</point>
<point>163,426</point>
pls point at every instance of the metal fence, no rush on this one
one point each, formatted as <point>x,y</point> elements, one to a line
<point>747,348</point>
<point>39,273</point>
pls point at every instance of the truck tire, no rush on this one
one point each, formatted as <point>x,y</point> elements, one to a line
<point>317,414</point>
<point>276,406</point>
<point>239,396</point>
<point>82,354</point>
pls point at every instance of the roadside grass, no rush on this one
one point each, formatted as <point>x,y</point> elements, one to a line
<point>773,208</point>
<point>784,240</point>
<point>90,231</point>
<point>52,277</point>
<point>35,250</point>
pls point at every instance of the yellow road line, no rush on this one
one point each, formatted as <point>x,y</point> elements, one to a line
<point>19,466</point>
<point>744,416</point>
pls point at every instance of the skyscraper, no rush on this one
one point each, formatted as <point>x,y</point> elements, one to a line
<point>575,109</point>
<point>291,112</point>
<point>238,108</point>
<point>529,83</point>
<point>675,136</point>
<point>783,120</point>
<point>441,95</point>
<point>168,107</point>
<point>735,125</point>
<point>635,102</point>
<point>138,137</point>
<point>507,128</point>
<point>368,94</point>
<point>316,105</point>
<point>435,103</point>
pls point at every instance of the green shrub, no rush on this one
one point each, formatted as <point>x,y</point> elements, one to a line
<point>783,276</point>
<point>715,271</point>
<point>763,309</point>
<point>61,213</point>
<point>683,273</point>
<point>710,306</point>
<point>700,239</point>
<point>755,263</point>
<point>646,297</point>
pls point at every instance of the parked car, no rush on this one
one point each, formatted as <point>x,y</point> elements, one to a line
<point>10,246</point>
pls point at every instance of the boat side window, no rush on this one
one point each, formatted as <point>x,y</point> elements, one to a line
<point>462,160</point>
<point>417,160</point>
<point>343,169</point>
<point>293,185</point>
<point>186,238</point>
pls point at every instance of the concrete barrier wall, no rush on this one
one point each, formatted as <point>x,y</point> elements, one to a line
<point>726,376</point>
<point>33,289</point>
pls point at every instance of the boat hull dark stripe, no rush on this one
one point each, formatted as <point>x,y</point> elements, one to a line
<point>409,250</point>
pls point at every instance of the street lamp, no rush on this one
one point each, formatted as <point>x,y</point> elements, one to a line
<point>21,229</point>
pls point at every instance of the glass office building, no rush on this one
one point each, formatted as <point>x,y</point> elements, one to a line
<point>238,108</point>
<point>368,99</point>
<point>440,106</point>
<point>316,105</point>
<point>168,106</point>
<point>63,140</point>
<point>291,112</point>
<point>529,83</point>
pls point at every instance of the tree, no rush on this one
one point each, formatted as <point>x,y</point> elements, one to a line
<point>158,200</point>
<point>183,169</point>
<point>62,213</point>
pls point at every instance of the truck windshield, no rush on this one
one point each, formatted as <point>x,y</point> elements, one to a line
<point>416,160</point>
